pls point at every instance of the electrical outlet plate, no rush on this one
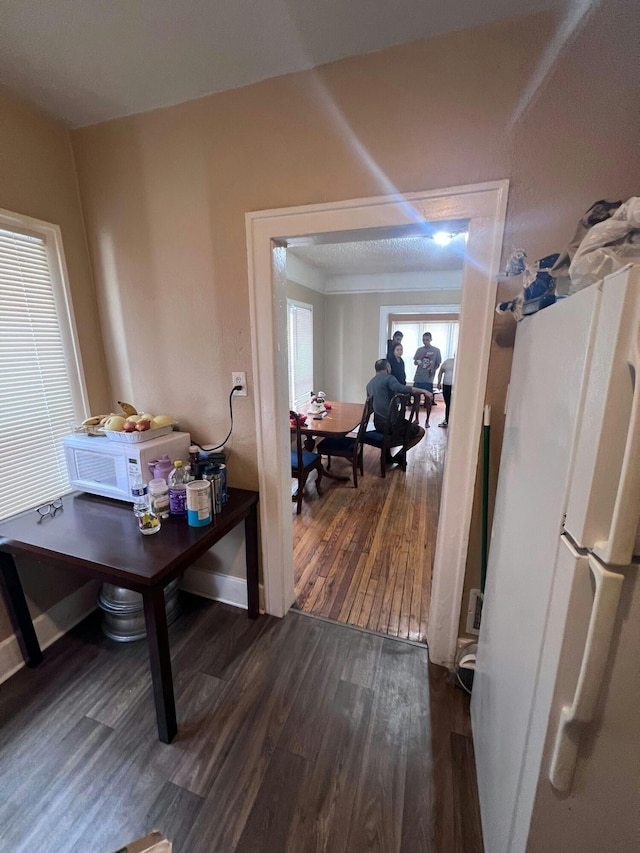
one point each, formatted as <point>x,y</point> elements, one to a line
<point>474,612</point>
<point>239,378</point>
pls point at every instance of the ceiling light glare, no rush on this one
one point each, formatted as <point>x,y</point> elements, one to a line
<point>442,238</point>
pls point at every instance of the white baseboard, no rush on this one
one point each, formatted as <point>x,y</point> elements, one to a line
<point>218,587</point>
<point>50,626</point>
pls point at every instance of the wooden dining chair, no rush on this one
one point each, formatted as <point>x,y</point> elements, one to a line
<point>385,440</point>
<point>302,464</point>
<point>349,448</point>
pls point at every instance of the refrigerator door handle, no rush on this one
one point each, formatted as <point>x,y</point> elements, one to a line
<point>618,548</point>
<point>594,660</point>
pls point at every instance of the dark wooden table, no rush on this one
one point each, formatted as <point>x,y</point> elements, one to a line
<point>99,538</point>
<point>339,420</point>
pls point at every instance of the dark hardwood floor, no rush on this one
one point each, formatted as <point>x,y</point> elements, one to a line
<point>295,735</point>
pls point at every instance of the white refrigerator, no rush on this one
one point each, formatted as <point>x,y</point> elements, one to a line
<point>555,707</point>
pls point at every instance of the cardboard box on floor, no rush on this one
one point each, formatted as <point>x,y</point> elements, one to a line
<point>155,842</point>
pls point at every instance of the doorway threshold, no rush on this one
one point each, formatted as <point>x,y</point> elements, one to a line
<point>418,644</point>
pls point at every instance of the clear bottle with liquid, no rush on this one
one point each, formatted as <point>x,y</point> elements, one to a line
<point>148,521</point>
<point>159,497</point>
<point>179,476</point>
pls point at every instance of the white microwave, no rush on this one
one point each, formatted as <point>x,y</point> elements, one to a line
<point>100,466</point>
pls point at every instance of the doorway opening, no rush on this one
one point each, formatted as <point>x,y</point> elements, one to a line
<point>364,556</point>
<point>269,233</point>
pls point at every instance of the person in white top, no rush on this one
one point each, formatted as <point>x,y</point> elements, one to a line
<point>445,384</point>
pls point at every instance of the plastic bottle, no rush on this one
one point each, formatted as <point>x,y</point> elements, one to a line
<point>161,467</point>
<point>159,496</point>
<point>194,458</point>
<point>178,479</point>
<point>148,521</point>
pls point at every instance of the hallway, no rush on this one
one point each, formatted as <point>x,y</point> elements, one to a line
<point>364,556</point>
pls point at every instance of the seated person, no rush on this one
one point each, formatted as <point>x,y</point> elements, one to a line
<point>382,388</point>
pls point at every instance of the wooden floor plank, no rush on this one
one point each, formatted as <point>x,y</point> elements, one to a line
<point>261,674</point>
<point>249,733</point>
<point>268,826</point>
<point>468,832</point>
<point>419,825</point>
<point>348,568</point>
<point>306,723</point>
<point>312,736</point>
<point>173,814</point>
<point>354,537</point>
<point>324,807</point>
<point>33,820</point>
<point>376,821</point>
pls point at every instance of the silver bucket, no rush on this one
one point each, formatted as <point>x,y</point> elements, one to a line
<point>123,618</point>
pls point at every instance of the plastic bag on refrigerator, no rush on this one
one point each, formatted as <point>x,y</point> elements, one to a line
<point>607,246</point>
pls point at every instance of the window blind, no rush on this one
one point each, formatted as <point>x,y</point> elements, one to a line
<point>444,336</point>
<point>36,404</point>
<point>300,332</point>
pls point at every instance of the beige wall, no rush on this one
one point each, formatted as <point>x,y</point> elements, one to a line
<point>318,300</point>
<point>165,193</point>
<point>353,323</point>
<point>38,179</point>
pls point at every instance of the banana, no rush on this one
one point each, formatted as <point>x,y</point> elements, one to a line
<point>93,421</point>
<point>127,408</point>
<point>105,418</point>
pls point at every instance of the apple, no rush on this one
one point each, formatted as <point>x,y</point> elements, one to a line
<point>115,424</point>
<point>129,425</point>
<point>162,420</point>
<point>143,425</point>
<point>146,417</point>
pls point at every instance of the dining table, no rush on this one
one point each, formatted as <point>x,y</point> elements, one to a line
<point>336,422</point>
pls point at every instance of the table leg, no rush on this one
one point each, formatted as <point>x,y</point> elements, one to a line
<point>251,547</point>
<point>155,616</point>
<point>341,478</point>
<point>16,605</point>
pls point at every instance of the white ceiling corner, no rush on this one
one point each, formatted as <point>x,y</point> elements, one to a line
<point>83,63</point>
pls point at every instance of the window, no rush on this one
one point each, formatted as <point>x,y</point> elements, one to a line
<point>300,337</point>
<point>444,336</point>
<point>42,393</point>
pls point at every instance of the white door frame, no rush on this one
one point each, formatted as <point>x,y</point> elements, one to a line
<point>484,205</point>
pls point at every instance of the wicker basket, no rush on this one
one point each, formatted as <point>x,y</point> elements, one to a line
<point>137,437</point>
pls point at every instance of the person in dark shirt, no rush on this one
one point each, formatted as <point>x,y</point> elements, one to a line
<point>397,364</point>
<point>396,339</point>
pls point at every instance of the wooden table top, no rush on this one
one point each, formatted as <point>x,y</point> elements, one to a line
<point>340,419</point>
<point>100,536</point>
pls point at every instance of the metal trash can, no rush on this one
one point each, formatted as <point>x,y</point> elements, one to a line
<point>123,618</point>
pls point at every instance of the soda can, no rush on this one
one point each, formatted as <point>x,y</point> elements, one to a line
<point>216,490</point>
<point>223,470</point>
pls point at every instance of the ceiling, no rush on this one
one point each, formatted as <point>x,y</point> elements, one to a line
<point>84,62</point>
<point>385,256</point>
